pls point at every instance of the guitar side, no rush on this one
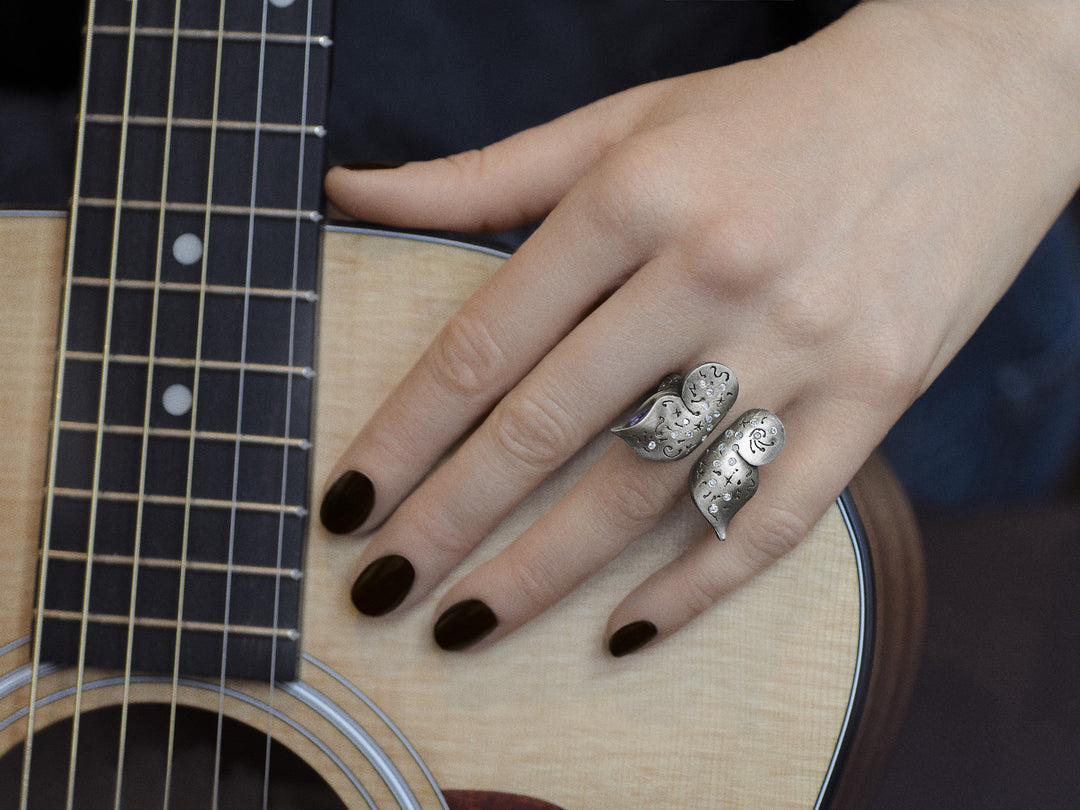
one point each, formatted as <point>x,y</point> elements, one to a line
<point>755,704</point>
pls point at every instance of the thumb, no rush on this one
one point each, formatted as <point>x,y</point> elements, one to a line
<point>509,183</point>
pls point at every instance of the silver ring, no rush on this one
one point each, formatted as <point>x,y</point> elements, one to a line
<point>674,421</point>
<point>726,476</point>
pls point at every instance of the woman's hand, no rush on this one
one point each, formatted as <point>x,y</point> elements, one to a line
<point>831,222</point>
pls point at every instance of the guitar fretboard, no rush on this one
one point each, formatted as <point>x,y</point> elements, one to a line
<point>176,508</point>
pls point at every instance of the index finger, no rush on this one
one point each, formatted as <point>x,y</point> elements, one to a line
<point>515,318</point>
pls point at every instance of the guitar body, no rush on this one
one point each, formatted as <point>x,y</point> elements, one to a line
<point>765,701</point>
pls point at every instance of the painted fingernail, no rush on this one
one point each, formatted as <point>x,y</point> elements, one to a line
<point>347,503</point>
<point>631,638</point>
<point>464,624</point>
<point>383,585</point>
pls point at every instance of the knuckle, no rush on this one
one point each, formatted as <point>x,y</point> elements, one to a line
<point>631,504</point>
<point>729,255</point>
<point>533,430</point>
<point>737,245</point>
<point>776,531</point>
<point>886,367</point>
<point>467,359</point>
<point>700,590</point>
<point>442,534</point>
<point>811,318</point>
<point>534,580</point>
<point>626,191</point>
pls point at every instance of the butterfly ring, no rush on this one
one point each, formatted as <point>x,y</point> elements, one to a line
<point>726,475</point>
<point>682,413</point>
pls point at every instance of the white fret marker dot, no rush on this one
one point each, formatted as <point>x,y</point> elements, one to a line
<point>281,3</point>
<point>176,399</point>
<point>187,249</point>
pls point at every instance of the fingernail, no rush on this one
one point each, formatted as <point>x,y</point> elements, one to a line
<point>368,165</point>
<point>631,638</point>
<point>464,624</point>
<point>348,503</point>
<point>383,585</point>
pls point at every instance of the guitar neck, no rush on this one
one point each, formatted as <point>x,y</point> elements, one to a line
<point>178,479</point>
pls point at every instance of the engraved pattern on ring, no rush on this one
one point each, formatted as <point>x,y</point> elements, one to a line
<point>726,475</point>
<point>682,414</point>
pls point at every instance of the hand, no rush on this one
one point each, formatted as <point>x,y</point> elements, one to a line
<point>832,222</point>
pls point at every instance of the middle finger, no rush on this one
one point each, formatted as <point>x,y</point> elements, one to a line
<point>573,394</point>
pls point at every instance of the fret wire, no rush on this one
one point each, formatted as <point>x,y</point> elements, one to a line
<point>320,41</point>
<point>309,296</point>
<point>169,564</point>
<point>205,123</point>
<point>202,208</point>
<point>179,500</point>
<point>184,362</point>
<point>169,624</point>
<point>199,435</point>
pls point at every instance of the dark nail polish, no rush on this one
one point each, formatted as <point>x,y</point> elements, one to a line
<point>383,585</point>
<point>464,624</point>
<point>631,638</point>
<point>348,503</point>
<point>367,165</point>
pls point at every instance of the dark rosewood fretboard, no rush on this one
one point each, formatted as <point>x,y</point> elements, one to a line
<point>185,388</point>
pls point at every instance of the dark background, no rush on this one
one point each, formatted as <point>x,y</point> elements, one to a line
<point>995,718</point>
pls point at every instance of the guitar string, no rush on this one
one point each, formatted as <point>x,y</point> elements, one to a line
<point>99,438</point>
<point>288,400</point>
<point>147,408</point>
<point>105,359</point>
<point>174,697</point>
<point>240,400</point>
<point>54,438</point>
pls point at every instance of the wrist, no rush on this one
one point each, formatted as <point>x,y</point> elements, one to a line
<point>1026,48</point>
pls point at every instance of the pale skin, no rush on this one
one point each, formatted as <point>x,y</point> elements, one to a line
<point>832,222</point>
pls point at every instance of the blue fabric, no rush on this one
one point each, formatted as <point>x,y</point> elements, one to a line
<point>1002,422</point>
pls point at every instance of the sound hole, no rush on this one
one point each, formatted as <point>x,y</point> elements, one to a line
<point>240,784</point>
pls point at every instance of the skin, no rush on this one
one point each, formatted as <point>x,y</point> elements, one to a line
<point>832,222</point>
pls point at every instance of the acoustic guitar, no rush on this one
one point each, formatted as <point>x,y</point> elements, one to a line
<point>186,351</point>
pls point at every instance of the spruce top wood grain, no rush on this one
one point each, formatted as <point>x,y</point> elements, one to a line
<point>750,706</point>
